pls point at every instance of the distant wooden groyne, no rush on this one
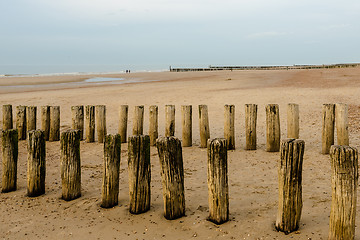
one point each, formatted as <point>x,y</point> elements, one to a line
<point>221,68</point>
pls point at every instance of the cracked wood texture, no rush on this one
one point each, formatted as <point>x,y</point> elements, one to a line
<point>204,125</point>
<point>54,133</point>
<point>90,123</point>
<point>293,128</point>
<point>36,163</point>
<point>139,169</point>
<point>172,176</point>
<point>342,124</point>
<point>70,165</point>
<point>217,179</point>
<point>290,185</point>
<point>250,126</point>
<point>10,151</point>
<point>100,119</point>
<point>31,118</point>
<point>344,181</point>
<point>7,117</point>
<point>111,169</point>
<point>169,120</point>
<point>77,119</point>
<point>153,124</point>
<point>123,121</point>
<point>45,121</point>
<point>272,128</point>
<point>186,119</point>
<point>328,126</point>
<point>138,121</point>
<point>21,121</point>
<point>229,126</point>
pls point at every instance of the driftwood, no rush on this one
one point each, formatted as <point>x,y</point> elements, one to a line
<point>153,124</point>
<point>328,125</point>
<point>217,179</point>
<point>90,123</point>
<point>10,151</point>
<point>7,117</point>
<point>77,119</point>
<point>172,175</point>
<point>123,120</point>
<point>45,121</point>
<point>250,126</point>
<point>169,120</point>
<point>139,169</point>
<point>138,120</point>
<point>290,185</point>
<point>344,181</point>
<point>186,119</point>
<point>54,133</point>
<point>110,182</point>
<point>36,161</point>
<point>204,125</point>
<point>21,121</point>
<point>70,165</point>
<point>293,128</point>
<point>272,128</point>
<point>31,118</point>
<point>229,126</point>
<point>342,125</point>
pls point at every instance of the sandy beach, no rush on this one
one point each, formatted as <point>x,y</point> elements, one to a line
<point>253,181</point>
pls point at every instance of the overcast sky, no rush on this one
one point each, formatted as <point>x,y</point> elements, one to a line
<point>173,32</point>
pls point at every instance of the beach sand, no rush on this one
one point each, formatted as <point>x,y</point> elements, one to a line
<point>253,185</point>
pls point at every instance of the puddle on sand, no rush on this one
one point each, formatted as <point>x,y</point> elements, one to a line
<point>103,79</point>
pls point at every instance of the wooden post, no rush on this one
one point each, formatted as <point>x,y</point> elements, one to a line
<point>138,120</point>
<point>90,123</point>
<point>9,147</point>
<point>172,175</point>
<point>123,120</point>
<point>31,118</point>
<point>70,165</point>
<point>250,126</point>
<point>110,183</point>
<point>139,169</point>
<point>229,126</point>
<point>169,120</point>
<point>36,161</point>
<point>290,188</point>
<point>272,128</point>
<point>342,126</point>
<point>153,124</point>
<point>204,125</point>
<point>7,117</point>
<point>328,123</point>
<point>54,133</point>
<point>293,120</point>
<point>344,181</point>
<point>186,118</point>
<point>217,179</point>
<point>77,117</point>
<point>45,121</point>
<point>21,121</point>
<point>100,119</point>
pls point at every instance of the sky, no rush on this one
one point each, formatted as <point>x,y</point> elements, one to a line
<point>179,32</point>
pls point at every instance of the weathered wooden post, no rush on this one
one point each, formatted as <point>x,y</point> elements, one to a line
<point>342,126</point>
<point>7,117</point>
<point>169,120</point>
<point>54,133</point>
<point>9,147</point>
<point>290,186</point>
<point>217,179</point>
<point>186,119</point>
<point>36,161</point>
<point>31,118</point>
<point>21,121</point>
<point>172,175</point>
<point>70,165</point>
<point>272,128</point>
<point>204,125</point>
<point>153,124</point>
<point>229,126</point>
<point>293,120</point>
<point>139,169</point>
<point>100,120</point>
<point>344,181</point>
<point>77,117</point>
<point>45,121</point>
<point>123,120</point>
<point>328,125</point>
<point>90,123</point>
<point>111,169</point>
<point>138,120</point>
<point>250,126</point>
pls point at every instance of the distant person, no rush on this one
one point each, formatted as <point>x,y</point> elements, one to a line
<point>126,71</point>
